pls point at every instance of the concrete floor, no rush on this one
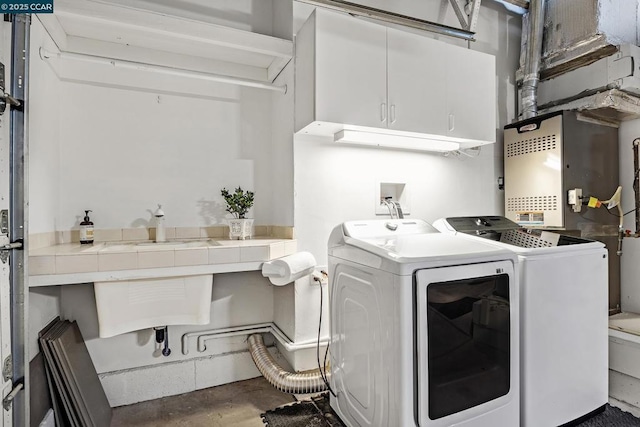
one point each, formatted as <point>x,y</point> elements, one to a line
<point>237,404</point>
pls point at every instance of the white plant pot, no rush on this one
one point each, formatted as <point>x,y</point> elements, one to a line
<point>240,228</point>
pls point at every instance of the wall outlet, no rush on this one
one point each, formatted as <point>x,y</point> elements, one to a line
<point>574,198</point>
<point>318,278</point>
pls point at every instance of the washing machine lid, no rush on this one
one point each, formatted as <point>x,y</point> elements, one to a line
<point>506,233</point>
<point>402,246</point>
<point>476,224</point>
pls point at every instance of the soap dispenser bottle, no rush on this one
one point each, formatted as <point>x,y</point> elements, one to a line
<point>86,229</point>
<point>160,231</point>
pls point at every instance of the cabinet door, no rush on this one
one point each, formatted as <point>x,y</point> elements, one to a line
<point>417,83</point>
<point>351,79</point>
<point>471,94</point>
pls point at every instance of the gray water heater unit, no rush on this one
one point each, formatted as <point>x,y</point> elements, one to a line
<point>549,155</point>
<point>544,158</point>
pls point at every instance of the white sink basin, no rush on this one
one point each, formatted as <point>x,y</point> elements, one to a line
<point>154,246</point>
<point>176,244</point>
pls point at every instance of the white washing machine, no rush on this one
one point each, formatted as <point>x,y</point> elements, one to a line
<point>424,327</point>
<point>564,318</point>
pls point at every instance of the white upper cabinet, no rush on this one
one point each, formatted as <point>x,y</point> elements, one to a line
<point>471,94</point>
<point>355,73</point>
<point>341,72</point>
<point>417,79</point>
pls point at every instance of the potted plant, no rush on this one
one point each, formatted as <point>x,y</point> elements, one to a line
<point>238,204</point>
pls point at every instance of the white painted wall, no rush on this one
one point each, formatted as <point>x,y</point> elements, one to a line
<point>44,172</point>
<point>334,184</point>
<point>124,151</point>
<point>44,136</point>
<point>280,184</point>
<point>120,141</point>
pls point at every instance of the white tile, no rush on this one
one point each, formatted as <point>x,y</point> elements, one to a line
<point>169,233</point>
<point>117,261</point>
<point>220,255</point>
<point>135,234</point>
<point>184,257</point>
<point>76,263</point>
<point>63,237</point>
<point>254,253</point>
<point>187,232</point>
<point>215,232</point>
<point>156,259</point>
<point>260,230</point>
<point>42,240</point>
<point>282,232</point>
<point>107,235</point>
<point>42,265</point>
<point>290,247</point>
<point>36,241</point>
<point>276,250</point>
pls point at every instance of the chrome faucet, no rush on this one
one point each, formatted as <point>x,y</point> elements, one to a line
<point>395,210</point>
<point>399,213</point>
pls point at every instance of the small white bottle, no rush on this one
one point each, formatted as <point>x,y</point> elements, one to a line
<point>161,236</point>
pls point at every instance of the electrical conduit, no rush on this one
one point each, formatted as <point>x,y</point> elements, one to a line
<point>287,382</point>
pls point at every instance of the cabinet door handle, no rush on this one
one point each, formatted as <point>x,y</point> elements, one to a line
<point>452,122</point>
<point>393,113</point>
<point>383,112</point>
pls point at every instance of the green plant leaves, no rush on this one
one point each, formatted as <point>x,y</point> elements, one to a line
<point>238,202</point>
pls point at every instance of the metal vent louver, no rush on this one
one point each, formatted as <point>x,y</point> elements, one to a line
<point>523,240</point>
<point>532,203</point>
<point>532,145</point>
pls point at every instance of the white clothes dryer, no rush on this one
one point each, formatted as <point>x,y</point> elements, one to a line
<point>424,327</point>
<point>564,318</point>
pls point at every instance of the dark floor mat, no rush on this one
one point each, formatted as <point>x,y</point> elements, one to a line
<point>317,413</point>
<point>611,417</point>
<point>308,413</point>
<point>300,414</point>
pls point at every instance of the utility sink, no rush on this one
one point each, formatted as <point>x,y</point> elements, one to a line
<point>177,244</point>
<point>152,246</point>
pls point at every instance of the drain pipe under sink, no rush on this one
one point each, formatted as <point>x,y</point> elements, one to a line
<point>287,382</point>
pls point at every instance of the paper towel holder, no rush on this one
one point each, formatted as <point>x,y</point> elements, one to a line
<point>285,270</point>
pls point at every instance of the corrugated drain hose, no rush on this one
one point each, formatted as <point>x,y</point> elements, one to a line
<point>287,382</point>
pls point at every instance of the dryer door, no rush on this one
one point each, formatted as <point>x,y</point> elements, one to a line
<point>467,344</point>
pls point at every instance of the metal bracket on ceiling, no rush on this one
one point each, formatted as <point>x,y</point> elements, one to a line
<point>469,16</point>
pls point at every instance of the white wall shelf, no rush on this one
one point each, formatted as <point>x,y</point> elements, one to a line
<point>93,28</point>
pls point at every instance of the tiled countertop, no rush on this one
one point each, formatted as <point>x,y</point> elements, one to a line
<point>74,263</point>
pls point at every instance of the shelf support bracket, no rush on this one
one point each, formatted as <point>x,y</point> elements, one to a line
<point>469,16</point>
